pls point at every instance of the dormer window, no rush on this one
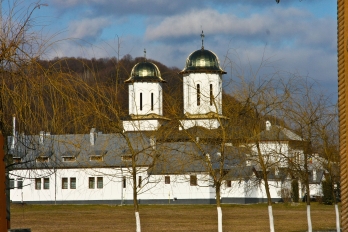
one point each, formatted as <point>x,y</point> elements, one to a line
<point>42,159</point>
<point>126,158</point>
<point>17,160</point>
<point>96,158</point>
<point>97,155</point>
<point>68,158</point>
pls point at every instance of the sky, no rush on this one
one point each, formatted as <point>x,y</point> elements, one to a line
<point>295,36</point>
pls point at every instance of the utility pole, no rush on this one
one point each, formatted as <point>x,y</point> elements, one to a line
<point>342,48</point>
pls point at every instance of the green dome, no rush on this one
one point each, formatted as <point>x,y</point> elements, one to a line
<point>202,61</point>
<point>145,72</point>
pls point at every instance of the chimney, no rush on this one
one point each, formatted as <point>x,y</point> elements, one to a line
<point>41,139</point>
<point>268,125</point>
<point>153,142</point>
<point>92,136</point>
<point>197,139</point>
<point>208,157</point>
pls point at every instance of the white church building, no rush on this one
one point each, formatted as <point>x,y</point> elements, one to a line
<point>96,167</point>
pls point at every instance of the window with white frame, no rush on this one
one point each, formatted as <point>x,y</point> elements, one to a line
<point>64,183</point>
<point>193,180</point>
<point>20,183</point>
<point>46,183</point>
<point>37,183</point>
<point>99,182</point>
<point>91,182</point>
<point>72,182</point>
<point>11,183</point>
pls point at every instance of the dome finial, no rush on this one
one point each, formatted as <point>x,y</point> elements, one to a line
<point>145,54</point>
<point>202,36</point>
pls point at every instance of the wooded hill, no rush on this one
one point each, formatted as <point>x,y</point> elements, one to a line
<point>92,89</point>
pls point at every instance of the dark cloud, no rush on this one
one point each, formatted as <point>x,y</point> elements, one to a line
<point>160,7</point>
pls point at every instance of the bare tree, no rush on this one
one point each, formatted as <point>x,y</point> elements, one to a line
<point>306,110</point>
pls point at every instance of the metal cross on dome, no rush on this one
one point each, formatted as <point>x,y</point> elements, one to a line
<point>202,36</point>
<point>145,53</point>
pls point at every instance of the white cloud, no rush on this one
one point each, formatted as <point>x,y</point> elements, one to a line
<point>88,29</point>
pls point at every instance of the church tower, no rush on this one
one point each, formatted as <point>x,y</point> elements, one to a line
<point>145,98</point>
<point>202,88</point>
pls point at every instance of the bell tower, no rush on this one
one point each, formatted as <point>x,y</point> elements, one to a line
<point>202,88</point>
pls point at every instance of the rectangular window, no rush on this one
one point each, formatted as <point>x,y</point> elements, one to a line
<point>151,101</point>
<point>124,180</point>
<point>141,101</point>
<point>73,182</point>
<point>19,183</point>
<point>139,181</point>
<point>167,179</point>
<point>198,94</point>
<point>211,95</point>
<point>11,183</point>
<point>99,182</point>
<point>64,183</point>
<point>46,183</point>
<point>228,183</point>
<point>37,183</point>
<point>193,180</point>
<point>91,182</point>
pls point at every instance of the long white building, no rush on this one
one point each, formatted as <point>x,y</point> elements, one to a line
<point>96,167</point>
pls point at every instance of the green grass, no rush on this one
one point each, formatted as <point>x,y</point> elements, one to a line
<point>88,218</point>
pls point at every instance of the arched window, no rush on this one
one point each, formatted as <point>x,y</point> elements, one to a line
<point>151,101</point>
<point>198,94</point>
<point>211,94</point>
<point>141,101</point>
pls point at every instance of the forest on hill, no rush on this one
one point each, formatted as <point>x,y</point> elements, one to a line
<point>72,95</point>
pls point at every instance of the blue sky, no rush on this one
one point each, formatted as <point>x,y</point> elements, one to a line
<point>294,36</point>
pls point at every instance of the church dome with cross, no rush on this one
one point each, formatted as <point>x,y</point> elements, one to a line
<point>202,61</point>
<point>145,72</point>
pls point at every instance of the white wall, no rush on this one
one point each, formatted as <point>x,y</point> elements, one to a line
<point>190,82</point>
<point>146,89</point>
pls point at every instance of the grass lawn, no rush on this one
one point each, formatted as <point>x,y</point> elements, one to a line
<point>106,218</point>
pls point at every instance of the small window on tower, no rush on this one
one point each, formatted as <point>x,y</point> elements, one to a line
<point>151,101</point>
<point>167,179</point>
<point>211,95</point>
<point>198,94</point>
<point>141,101</point>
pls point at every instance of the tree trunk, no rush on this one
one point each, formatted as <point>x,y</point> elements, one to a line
<point>218,205</point>
<point>265,179</point>
<point>309,220</point>
<point>135,195</point>
<point>309,217</point>
<point>137,221</point>
<point>308,200</point>
<point>270,215</point>
<point>338,228</point>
